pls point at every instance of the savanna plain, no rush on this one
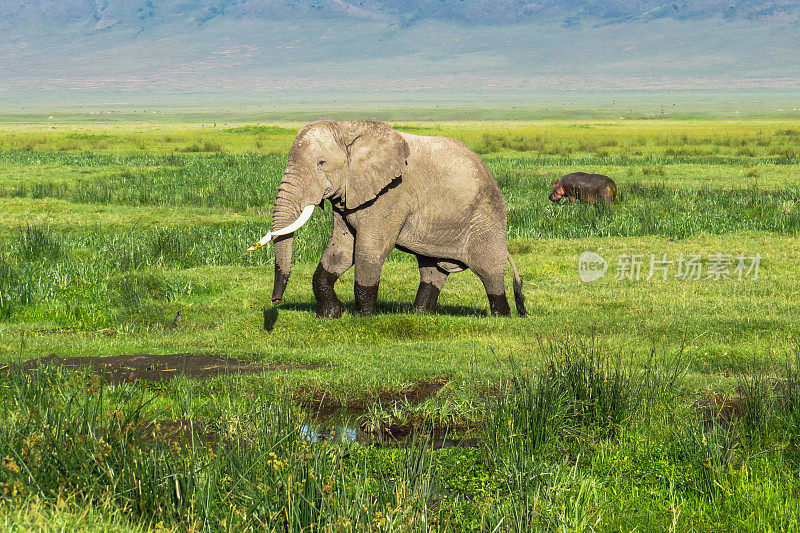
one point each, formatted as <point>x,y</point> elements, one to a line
<point>661,404</point>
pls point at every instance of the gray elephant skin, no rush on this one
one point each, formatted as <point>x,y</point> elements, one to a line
<point>429,196</point>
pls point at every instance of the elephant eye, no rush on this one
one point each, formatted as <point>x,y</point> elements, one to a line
<point>320,163</point>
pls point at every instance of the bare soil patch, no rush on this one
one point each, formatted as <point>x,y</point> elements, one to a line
<point>324,405</point>
<point>132,367</point>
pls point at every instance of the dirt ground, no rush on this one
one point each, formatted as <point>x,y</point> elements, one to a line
<point>133,367</point>
<point>129,368</point>
<point>324,405</point>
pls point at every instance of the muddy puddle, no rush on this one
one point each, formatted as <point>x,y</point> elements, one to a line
<point>187,432</point>
<point>334,418</point>
<point>324,405</point>
<point>341,421</point>
<point>132,367</point>
<point>366,438</point>
<point>396,436</point>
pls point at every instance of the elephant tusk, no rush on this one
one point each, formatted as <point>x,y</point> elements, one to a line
<point>294,226</point>
<point>291,228</point>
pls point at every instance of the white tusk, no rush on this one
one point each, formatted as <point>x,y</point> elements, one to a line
<point>291,228</point>
<point>294,226</point>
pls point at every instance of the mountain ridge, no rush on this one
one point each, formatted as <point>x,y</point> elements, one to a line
<point>105,14</point>
<point>77,49</point>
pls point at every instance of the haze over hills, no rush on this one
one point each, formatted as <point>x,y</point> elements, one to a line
<point>140,50</point>
<point>104,14</point>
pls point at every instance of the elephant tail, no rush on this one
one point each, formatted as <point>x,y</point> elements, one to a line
<point>519,298</point>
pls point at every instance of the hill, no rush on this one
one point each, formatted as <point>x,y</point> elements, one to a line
<point>134,51</point>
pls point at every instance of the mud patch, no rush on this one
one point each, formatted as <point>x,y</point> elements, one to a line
<point>402,434</point>
<point>321,403</point>
<point>132,367</point>
<point>181,432</point>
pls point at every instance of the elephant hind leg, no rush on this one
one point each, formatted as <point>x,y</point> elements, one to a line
<point>431,281</point>
<point>498,302</point>
<point>491,270</point>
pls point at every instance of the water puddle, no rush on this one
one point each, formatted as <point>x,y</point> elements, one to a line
<point>409,437</point>
<point>340,434</point>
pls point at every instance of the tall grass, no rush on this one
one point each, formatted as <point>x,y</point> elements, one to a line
<point>556,433</point>
<point>537,428</point>
<point>249,182</point>
<point>767,410</point>
<point>61,274</point>
<point>579,392</point>
<point>81,279</point>
<point>548,457</point>
<point>258,471</point>
<point>238,182</point>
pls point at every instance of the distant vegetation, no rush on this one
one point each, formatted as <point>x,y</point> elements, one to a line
<point>265,130</point>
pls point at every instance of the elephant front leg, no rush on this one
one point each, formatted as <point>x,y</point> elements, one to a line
<point>328,304</point>
<point>336,260</point>
<point>370,254</point>
<point>431,281</point>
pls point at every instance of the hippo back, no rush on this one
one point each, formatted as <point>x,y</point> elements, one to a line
<point>589,187</point>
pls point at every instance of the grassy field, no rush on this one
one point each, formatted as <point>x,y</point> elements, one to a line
<point>662,404</point>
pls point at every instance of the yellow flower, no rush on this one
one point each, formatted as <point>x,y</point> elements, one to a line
<point>11,465</point>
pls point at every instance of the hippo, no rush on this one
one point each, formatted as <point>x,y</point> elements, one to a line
<point>584,187</point>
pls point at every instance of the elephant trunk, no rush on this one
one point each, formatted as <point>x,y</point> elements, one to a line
<point>283,267</point>
<point>293,207</point>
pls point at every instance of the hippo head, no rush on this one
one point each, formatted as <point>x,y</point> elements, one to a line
<point>558,191</point>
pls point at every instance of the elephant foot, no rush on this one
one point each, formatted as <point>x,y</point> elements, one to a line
<point>281,279</point>
<point>366,299</point>
<point>427,298</point>
<point>328,304</point>
<point>498,305</point>
<point>330,309</point>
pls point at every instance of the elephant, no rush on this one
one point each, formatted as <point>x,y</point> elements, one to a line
<point>429,196</point>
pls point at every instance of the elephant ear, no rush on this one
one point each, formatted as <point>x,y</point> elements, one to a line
<point>376,156</point>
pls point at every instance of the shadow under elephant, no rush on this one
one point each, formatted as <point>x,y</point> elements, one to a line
<point>386,308</point>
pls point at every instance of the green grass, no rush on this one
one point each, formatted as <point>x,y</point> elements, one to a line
<point>581,442</point>
<point>583,411</point>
